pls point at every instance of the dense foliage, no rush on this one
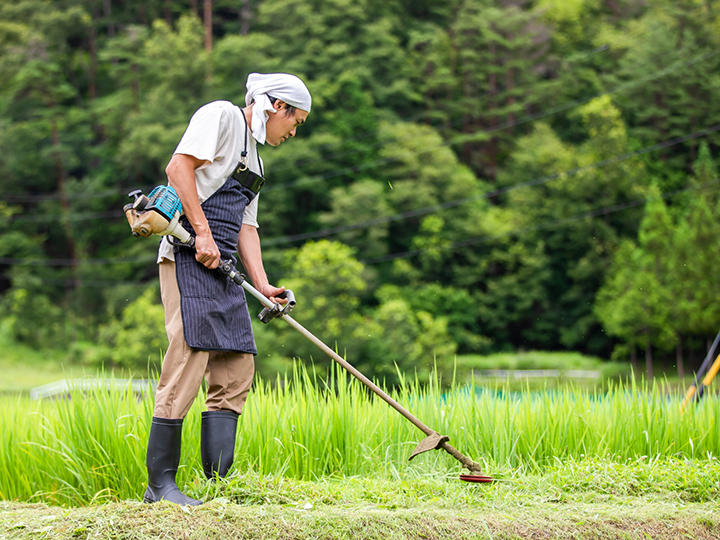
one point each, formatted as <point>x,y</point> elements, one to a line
<point>475,175</point>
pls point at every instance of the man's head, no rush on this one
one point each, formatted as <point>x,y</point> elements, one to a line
<point>281,104</point>
<point>283,124</point>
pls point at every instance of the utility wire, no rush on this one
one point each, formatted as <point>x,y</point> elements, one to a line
<point>460,139</point>
<point>498,111</point>
<point>548,225</point>
<point>84,216</point>
<point>503,91</point>
<point>78,262</point>
<point>394,217</point>
<point>495,193</point>
<point>496,95</point>
<point>483,133</point>
<point>99,284</point>
<point>82,195</point>
<point>55,196</point>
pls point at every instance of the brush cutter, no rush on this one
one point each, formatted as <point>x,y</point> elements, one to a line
<point>159,214</point>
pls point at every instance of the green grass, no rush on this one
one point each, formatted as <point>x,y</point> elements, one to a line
<point>91,448</point>
<point>317,459</point>
<point>532,360</point>
<point>573,500</point>
<point>24,367</point>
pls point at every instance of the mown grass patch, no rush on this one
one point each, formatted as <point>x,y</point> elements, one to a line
<point>250,505</point>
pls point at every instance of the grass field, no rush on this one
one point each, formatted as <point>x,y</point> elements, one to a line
<point>91,448</point>
<point>24,367</point>
<point>324,459</point>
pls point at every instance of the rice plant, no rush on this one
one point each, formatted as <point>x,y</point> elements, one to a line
<point>90,447</point>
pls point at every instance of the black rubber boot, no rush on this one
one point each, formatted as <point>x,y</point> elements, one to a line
<point>163,458</point>
<point>217,442</point>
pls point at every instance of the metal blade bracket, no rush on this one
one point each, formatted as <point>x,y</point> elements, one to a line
<point>431,442</point>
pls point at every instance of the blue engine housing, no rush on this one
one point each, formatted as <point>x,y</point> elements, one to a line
<point>164,200</point>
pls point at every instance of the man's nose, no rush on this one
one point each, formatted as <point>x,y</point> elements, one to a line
<point>292,132</point>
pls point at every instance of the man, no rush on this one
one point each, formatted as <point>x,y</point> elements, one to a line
<point>216,170</point>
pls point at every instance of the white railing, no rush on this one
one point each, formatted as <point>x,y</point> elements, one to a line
<point>537,373</point>
<point>65,386</point>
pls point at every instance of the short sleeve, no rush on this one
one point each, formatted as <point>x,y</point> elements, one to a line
<point>205,132</point>
<point>250,215</point>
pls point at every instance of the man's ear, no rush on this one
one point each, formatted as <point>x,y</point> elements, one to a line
<point>278,105</point>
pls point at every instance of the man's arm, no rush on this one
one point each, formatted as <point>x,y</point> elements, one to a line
<point>251,259</point>
<point>181,176</point>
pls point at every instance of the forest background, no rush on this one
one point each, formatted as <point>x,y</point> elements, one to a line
<point>476,176</point>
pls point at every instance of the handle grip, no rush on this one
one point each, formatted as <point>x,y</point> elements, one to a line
<point>289,296</point>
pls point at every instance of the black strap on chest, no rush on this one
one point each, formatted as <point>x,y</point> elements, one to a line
<point>242,173</point>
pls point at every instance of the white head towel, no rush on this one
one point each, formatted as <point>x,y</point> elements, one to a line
<point>283,86</point>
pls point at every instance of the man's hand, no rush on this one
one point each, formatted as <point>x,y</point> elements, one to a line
<point>272,292</point>
<point>206,250</point>
<point>251,259</point>
<point>181,176</point>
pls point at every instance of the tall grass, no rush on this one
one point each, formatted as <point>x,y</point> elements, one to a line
<point>92,447</point>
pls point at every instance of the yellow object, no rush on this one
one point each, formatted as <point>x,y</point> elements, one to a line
<point>712,372</point>
<point>688,396</point>
<point>709,376</point>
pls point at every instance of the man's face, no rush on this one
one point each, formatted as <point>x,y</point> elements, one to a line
<point>280,127</point>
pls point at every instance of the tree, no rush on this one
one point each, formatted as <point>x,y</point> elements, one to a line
<point>329,284</point>
<point>470,77</point>
<point>697,245</point>
<point>679,38</point>
<point>568,217</point>
<point>634,305</point>
<point>360,203</point>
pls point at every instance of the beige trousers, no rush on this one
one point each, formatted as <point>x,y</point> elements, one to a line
<point>229,374</point>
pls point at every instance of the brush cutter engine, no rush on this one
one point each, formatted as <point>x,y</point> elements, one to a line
<point>158,213</point>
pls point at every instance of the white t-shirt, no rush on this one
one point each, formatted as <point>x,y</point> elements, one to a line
<point>216,134</point>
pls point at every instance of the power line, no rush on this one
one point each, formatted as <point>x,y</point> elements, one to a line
<point>112,193</point>
<point>460,139</point>
<point>394,217</point>
<point>56,196</point>
<point>85,216</point>
<point>77,262</point>
<point>483,133</point>
<point>97,283</point>
<point>548,225</point>
<point>489,94</point>
<point>495,193</point>
<point>456,123</point>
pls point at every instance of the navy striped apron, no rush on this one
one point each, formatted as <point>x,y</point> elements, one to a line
<point>214,310</point>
